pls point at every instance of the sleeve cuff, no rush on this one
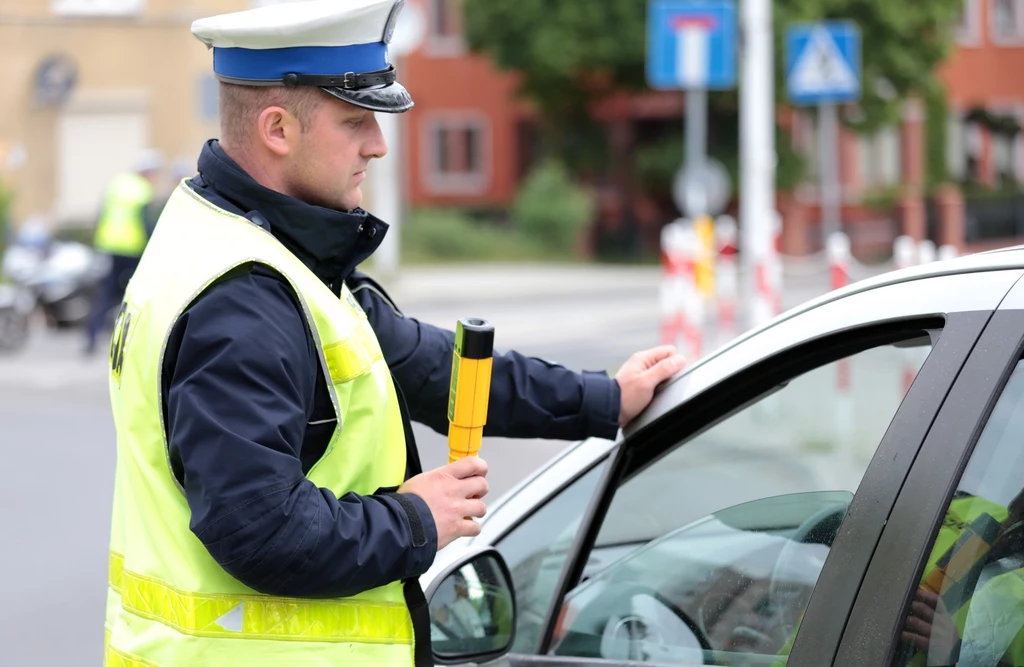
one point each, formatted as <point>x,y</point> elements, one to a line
<point>422,528</point>
<point>602,403</point>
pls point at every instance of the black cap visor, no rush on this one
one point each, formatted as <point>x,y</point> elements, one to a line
<point>392,98</point>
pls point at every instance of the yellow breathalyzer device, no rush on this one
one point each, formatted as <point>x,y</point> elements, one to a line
<point>470,387</point>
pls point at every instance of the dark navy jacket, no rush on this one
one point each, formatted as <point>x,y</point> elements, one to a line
<point>248,411</point>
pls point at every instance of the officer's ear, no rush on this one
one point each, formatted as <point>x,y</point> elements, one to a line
<point>279,130</point>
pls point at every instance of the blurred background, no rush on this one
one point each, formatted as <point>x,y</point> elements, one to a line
<point>531,185</point>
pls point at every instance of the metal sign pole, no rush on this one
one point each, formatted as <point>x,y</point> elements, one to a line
<point>828,170</point>
<point>696,119</point>
<point>757,147</point>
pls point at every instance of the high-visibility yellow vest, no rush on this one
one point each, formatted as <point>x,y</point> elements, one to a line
<point>959,515</point>
<point>991,623</point>
<point>121,229</point>
<point>169,602</point>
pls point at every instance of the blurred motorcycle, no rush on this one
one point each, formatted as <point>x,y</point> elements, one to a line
<point>63,277</point>
<point>16,306</point>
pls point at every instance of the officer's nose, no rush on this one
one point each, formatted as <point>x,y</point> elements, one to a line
<point>376,145</point>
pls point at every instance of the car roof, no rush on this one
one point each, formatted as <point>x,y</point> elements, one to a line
<point>999,259</point>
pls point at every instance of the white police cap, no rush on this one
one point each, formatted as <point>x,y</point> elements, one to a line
<point>339,45</point>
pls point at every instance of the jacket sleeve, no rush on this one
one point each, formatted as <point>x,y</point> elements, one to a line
<point>530,398</point>
<point>239,374</point>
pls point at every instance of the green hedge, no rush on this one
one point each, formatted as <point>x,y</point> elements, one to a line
<point>545,222</point>
<point>551,210</point>
<point>450,235</point>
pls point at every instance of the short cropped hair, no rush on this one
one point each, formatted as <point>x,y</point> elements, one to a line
<point>241,106</point>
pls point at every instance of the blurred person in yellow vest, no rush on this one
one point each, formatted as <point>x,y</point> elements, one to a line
<point>125,222</point>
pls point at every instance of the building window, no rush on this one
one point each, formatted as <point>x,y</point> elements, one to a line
<point>446,18</point>
<point>98,7</point>
<point>880,158</point>
<point>1006,21</point>
<point>445,38</point>
<point>456,155</point>
<point>968,29</point>
<point>1007,150</point>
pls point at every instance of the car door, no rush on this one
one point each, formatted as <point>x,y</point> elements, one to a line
<point>945,585</point>
<point>725,467</point>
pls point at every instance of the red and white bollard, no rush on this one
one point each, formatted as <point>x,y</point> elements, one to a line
<point>682,308</point>
<point>673,273</point>
<point>768,275</point>
<point>926,252</point>
<point>726,277</point>
<point>904,252</point>
<point>839,260</point>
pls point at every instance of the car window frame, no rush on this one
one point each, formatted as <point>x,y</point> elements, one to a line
<point>871,635</point>
<point>958,335</point>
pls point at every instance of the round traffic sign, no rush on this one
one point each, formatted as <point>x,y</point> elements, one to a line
<point>704,193</point>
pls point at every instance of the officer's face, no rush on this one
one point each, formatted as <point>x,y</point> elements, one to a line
<point>334,151</point>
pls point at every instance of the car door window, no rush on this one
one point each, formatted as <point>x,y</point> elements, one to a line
<point>727,533</point>
<point>968,609</point>
<point>536,551</point>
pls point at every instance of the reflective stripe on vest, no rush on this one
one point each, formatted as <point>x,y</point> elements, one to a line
<point>259,616</point>
<point>170,603</point>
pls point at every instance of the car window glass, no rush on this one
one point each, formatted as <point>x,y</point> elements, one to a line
<point>737,576</point>
<point>968,609</point>
<point>536,550</point>
<point>803,448</point>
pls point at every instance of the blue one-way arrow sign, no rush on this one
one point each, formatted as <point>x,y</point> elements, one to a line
<point>691,44</point>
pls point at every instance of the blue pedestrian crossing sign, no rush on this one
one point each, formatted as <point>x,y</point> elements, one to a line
<point>823,62</point>
<point>691,44</point>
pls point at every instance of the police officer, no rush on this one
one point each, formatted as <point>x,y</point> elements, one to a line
<point>121,234</point>
<point>269,507</point>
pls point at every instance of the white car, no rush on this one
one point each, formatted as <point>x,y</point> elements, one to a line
<point>782,501</point>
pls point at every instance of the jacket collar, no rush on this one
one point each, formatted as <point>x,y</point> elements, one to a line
<point>330,243</point>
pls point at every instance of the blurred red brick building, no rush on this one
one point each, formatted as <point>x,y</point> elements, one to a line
<point>471,145</point>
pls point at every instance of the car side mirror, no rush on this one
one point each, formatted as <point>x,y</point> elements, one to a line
<point>472,610</point>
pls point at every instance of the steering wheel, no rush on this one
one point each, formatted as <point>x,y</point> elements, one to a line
<point>627,612</point>
<point>819,528</point>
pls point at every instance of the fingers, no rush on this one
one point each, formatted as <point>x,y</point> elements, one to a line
<point>916,641</point>
<point>475,487</point>
<point>926,596</point>
<point>469,466</point>
<point>656,354</point>
<point>469,529</point>
<point>665,368</point>
<point>918,627</point>
<point>472,508</point>
<point>922,611</point>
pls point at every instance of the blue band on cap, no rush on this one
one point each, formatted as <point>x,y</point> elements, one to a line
<point>274,64</point>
